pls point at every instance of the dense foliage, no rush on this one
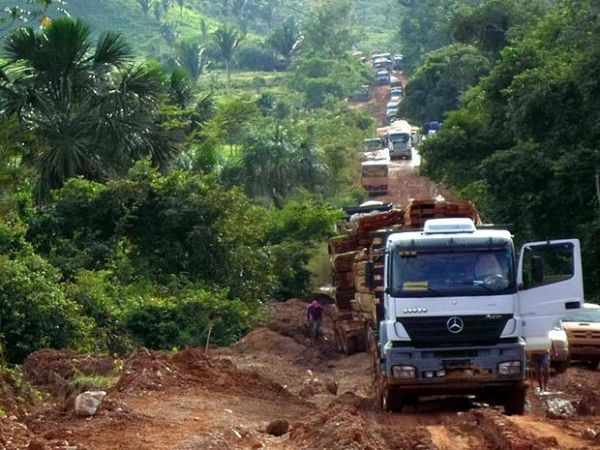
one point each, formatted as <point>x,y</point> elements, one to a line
<point>524,142</point>
<point>149,204</point>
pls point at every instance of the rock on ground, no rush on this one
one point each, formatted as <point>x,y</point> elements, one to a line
<point>87,403</point>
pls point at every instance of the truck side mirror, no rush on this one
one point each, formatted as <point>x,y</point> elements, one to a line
<point>537,270</point>
<point>369,277</point>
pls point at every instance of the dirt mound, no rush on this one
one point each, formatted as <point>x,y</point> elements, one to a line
<point>43,367</point>
<point>289,319</point>
<point>147,370</point>
<point>16,395</point>
<point>341,428</point>
<point>265,340</point>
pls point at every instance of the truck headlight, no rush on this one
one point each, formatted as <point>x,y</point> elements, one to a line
<point>404,371</point>
<point>509,368</point>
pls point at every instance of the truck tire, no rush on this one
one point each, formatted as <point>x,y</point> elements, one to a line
<point>349,345</point>
<point>514,402</point>
<point>592,364</point>
<point>561,367</point>
<point>360,344</point>
<point>390,400</point>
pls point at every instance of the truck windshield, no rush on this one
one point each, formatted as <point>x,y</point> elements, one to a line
<point>399,138</point>
<point>459,272</point>
<point>372,171</point>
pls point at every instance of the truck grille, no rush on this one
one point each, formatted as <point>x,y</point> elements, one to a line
<point>433,331</point>
<point>585,334</point>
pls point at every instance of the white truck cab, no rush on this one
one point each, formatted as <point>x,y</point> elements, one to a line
<point>460,310</point>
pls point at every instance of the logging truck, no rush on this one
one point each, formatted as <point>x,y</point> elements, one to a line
<point>444,305</point>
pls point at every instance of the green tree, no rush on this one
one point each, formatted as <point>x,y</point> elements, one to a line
<point>34,312</point>
<point>441,79</point>
<point>331,29</point>
<point>277,161</point>
<point>525,140</point>
<point>93,111</point>
<point>285,39</point>
<point>489,24</point>
<point>181,4</point>
<point>227,40</point>
<point>424,26</point>
<point>191,56</point>
<point>321,78</point>
<point>23,11</point>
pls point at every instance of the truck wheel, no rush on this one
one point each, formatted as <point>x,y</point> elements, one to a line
<point>360,344</point>
<point>592,364</point>
<point>514,402</point>
<point>350,345</point>
<point>391,400</point>
<point>561,367</point>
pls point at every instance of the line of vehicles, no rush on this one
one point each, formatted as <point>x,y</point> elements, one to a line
<point>443,303</point>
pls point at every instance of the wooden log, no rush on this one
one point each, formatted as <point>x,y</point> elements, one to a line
<point>342,244</point>
<point>343,261</point>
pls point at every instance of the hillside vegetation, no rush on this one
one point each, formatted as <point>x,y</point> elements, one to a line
<point>154,31</point>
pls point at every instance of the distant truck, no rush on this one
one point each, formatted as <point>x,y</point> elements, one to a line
<point>382,76</point>
<point>431,127</point>
<point>399,138</point>
<point>444,305</point>
<point>372,144</point>
<point>398,62</point>
<point>374,174</point>
<point>362,94</point>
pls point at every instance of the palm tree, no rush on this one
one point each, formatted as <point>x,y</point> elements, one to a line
<point>285,40</point>
<point>191,57</point>
<point>227,39</point>
<point>92,110</point>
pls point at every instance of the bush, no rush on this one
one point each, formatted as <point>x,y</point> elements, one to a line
<point>187,319</point>
<point>34,311</point>
<point>102,301</point>
<point>255,58</point>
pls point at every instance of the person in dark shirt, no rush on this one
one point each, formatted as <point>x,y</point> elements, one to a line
<point>314,316</point>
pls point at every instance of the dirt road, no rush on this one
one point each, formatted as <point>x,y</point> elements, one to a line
<point>225,400</point>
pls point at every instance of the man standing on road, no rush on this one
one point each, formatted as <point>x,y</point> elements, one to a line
<point>314,315</point>
<point>541,363</point>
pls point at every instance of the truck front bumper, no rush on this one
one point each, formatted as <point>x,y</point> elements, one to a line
<point>464,370</point>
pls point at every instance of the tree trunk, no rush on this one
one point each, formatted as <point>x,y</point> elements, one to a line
<point>227,69</point>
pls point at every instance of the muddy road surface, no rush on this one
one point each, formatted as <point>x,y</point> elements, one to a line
<point>228,398</point>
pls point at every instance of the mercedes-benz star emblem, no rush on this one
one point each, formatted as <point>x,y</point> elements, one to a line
<point>455,325</point>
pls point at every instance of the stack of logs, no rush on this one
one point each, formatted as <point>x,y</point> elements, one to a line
<point>350,253</point>
<point>418,211</point>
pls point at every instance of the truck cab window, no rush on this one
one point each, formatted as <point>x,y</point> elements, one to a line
<point>547,264</point>
<point>460,272</point>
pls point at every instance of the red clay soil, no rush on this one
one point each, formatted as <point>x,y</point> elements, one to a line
<point>225,399</point>
<point>44,366</point>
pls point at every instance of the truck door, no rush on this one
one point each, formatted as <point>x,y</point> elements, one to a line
<point>550,285</point>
